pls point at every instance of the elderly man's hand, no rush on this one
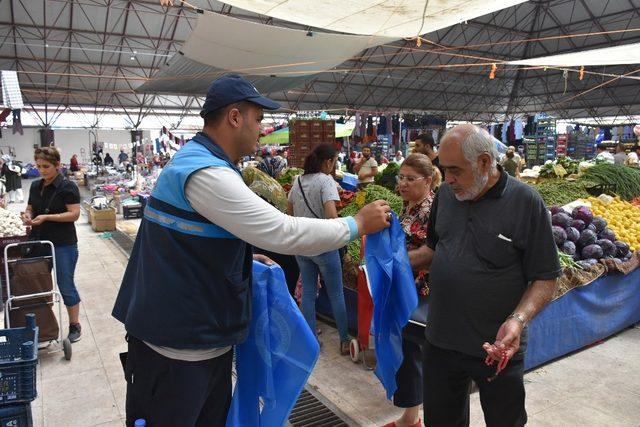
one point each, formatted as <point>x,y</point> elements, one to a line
<point>506,345</point>
<point>166,2</point>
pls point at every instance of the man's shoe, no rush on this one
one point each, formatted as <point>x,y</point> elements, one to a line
<point>75,332</point>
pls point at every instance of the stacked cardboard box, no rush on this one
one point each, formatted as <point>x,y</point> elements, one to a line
<point>103,219</point>
<point>305,135</point>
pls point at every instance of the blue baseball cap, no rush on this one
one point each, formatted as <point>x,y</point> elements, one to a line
<point>233,88</point>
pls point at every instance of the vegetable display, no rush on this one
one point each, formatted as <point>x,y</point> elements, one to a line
<point>559,168</point>
<point>622,220</point>
<point>561,192</point>
<point>11,224</point>
<point>346,197</point>
<point>387,178</point>
<point>624,180</point>
<point>266,187</point>
<point>371,193</point>
<point>596,241</point>
<point>287,176</point>
<point>567,261</point>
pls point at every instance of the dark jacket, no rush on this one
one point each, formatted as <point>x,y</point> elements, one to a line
<point>187,284</point>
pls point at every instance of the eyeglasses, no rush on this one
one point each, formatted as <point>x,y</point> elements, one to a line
<point>410,179</point>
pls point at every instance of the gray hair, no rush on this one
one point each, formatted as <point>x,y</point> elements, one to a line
<point>477,142</point>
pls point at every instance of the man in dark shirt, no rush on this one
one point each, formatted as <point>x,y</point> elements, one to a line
<point>490,274</point>
<point>424,144</point>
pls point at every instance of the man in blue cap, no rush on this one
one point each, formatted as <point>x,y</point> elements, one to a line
<point>185,296</point>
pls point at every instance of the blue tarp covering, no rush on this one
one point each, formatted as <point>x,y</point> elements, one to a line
<point>583,316</point>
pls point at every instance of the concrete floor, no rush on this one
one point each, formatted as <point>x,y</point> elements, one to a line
<point>595,387</point>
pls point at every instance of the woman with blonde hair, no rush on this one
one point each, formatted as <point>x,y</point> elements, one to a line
<point>417,179</point>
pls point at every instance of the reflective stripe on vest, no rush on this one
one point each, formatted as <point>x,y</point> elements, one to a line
<point>186,226</point>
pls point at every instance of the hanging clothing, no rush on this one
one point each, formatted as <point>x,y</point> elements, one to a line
<point>530,127</point>
<point>511,134</point>
<point>519,129</point>
<point>382,126</point>
<point>369,126</point>
<point>11,95</point>
<point>395,124</point>
<point>17,124</point>
<point>503,136</point>
<point>356,129</point>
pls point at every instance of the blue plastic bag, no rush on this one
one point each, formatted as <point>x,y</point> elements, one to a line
<point>394,298</point>
<point>275,361</point>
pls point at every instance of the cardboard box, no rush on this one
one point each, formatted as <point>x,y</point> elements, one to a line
<point>103,219</point>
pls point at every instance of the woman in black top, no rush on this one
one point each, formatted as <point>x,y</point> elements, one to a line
<point>54,205</point>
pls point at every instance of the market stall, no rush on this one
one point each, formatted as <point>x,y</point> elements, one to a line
<point>118,196</point>
<point>598,243</point>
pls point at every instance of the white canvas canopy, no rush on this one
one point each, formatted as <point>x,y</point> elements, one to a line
<point>616,55</point>
<point>391,18</point>
<point>252,48</point>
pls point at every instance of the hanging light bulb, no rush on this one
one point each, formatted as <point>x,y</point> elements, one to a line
<point>581,72</point>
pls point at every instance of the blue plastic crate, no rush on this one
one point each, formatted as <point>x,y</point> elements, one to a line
<point>18,360</point>
<point>16,415</point>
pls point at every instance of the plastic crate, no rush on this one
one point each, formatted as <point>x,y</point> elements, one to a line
<point>132,211</point>
<point>16,416</point>
<point>18,360</point>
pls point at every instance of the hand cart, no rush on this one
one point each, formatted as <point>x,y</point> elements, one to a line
<point>32,288</point>
<point>359,347</point>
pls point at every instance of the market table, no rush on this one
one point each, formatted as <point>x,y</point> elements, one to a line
<point>579,318</point>
<point>584,316</point>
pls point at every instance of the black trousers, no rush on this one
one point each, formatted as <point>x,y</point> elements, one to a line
<point>409,375</point>
<point>168,392</point>
<point>447,379</point>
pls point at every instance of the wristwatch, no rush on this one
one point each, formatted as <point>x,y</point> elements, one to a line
<point>520,318</point>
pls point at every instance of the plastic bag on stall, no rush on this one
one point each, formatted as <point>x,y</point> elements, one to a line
<point>275,361</point>
<point>394,298</point>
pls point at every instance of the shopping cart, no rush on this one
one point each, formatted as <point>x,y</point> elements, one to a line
<point>32,288</point>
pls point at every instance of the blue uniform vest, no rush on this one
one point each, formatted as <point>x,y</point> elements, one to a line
<point>188,281</point>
